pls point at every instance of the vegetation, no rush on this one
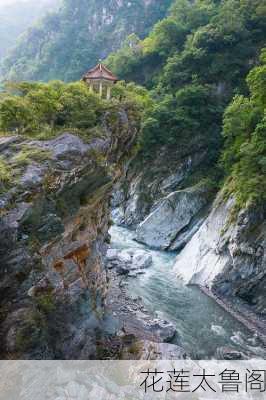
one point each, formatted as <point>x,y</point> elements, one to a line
<point>69,41</point>
<point>210,40</point>
<point>28,154</point>
<point>31,108</point>
<point>194,62</point>
<point>244,156</point>
<point>192,65</point>
<point>5,174</point>
<point>131,93</point>
<point>42,110</point>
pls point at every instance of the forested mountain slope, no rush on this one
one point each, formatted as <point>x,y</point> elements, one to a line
<point>73,39</point>
<point>194,61</point>
<point>18,16</point>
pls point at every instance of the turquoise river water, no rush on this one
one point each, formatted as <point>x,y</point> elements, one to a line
<point>202,325</point>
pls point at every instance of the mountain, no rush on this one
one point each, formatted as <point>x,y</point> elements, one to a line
<point>17,16</point>
<point>204,138</point>
<point>178,155</point>
<point>66,43</point>
<point>194,61</point>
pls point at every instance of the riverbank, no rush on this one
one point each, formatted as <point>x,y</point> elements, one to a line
<point>204,329</point>
<point>141,335</point>
<point>246,317</point>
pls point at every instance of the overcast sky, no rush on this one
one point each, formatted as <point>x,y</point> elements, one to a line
<point>6,2</point>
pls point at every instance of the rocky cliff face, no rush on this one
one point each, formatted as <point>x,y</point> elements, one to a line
<point>53,234</point>
<point>227,254</point>
<point>221,250</point>
<point>165,199</point>
<point>166,228</point>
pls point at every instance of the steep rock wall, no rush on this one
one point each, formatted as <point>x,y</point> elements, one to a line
<point>168,227</point>
<point>53,235</point>
<point>228,255</point>
<point>157,190</point>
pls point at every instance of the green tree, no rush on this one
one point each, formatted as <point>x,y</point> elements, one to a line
<point>16,115</point>
<point>244,156</point>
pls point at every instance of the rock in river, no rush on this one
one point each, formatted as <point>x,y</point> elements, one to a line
<point>128,262</point>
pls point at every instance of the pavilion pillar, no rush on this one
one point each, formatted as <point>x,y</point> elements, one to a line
<point>101,89</point>
<point>108,92</point>
<point>91,87</point>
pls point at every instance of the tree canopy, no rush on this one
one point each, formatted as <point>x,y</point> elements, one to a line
<point>194,62</point>
<point>244,156</point>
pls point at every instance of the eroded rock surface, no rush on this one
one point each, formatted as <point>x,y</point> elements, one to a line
<point>227,254</point>
<point>158,197</point>
<point>166,227</point>
<point>147,182</point>
<point>53,235</point>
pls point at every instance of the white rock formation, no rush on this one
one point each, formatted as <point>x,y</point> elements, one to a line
<point>174,213</point>
<point>202,260</point>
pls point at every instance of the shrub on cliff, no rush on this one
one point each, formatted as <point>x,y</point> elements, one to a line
<point>44,110</point>
<point>244,156</point>
<point>29,108</point>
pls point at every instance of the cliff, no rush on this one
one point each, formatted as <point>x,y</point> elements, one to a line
<point>53,234</point>
<point>165,198</point>
<point>227,255</point>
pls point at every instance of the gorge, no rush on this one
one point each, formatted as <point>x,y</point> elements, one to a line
<point>133,224</point>
<point>204,329</point>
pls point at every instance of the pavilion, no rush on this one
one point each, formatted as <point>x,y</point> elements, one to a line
<point>100,80</point>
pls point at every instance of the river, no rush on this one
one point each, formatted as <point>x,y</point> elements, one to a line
<point>202,325</point>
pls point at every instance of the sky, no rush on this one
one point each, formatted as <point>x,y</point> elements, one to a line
<point>7,2</point>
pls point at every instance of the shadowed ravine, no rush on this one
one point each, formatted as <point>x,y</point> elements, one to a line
<point>203,326</point>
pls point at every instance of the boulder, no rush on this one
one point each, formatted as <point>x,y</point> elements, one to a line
<point>112,254</point>
<point>129,262</point>
<point>143,186</point>
<point>65,146</point>
<point>125,257</point>
<point>118,216</point>
<point>141,260</point>
<point>161,351</point>
<point>229,354</point>
<point>33,176</point>
<point>163,329</point>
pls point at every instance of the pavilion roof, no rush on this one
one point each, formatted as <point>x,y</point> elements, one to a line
<point>100,72</point>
